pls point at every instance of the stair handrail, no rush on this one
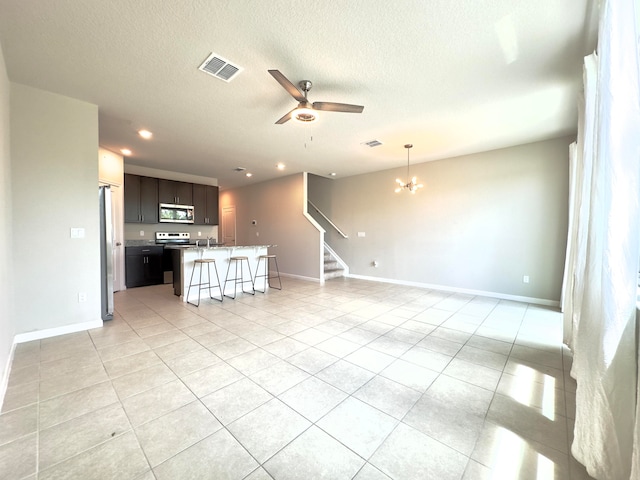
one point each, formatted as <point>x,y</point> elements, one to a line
<point>327,219</point>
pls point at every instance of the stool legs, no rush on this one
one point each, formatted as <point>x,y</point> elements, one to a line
<point>238,280</point>
<point>267,277</point>
<point>208,284</point>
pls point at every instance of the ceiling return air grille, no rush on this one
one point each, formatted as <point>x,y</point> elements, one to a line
<point>372,143</point>
<point>219,67</point>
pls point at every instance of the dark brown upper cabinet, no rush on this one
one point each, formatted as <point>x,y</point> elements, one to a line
<point>177,193</point>
<point>140,199</point>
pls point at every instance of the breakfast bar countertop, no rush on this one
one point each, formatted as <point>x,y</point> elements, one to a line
<point>214,246</point>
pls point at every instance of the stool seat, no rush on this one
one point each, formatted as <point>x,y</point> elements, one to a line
<point>267,277</point>
<point>238,260</point>
<point>203,286</point>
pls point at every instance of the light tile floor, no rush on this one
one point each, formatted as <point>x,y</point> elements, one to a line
<point>350,380</point>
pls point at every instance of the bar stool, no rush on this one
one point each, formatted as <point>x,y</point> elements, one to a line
<point>238,261</point>
<point>200,262</point>
<point>267,277</point>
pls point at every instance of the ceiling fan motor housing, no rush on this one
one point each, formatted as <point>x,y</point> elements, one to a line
<point>305,86</point>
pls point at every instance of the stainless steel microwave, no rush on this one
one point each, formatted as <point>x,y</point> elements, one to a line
<point>170,213</point>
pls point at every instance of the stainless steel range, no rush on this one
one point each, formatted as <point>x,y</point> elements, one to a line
<point>173,238</point>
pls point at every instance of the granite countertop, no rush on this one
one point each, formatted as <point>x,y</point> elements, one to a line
<point>215,246</point>
<point>192,245</point>
<point>140,243</point>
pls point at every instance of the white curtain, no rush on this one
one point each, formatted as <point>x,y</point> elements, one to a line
<point>600,288</point>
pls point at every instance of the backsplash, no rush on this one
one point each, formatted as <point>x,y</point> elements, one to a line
<point>132,230</point>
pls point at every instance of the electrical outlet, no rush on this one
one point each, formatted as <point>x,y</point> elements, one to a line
<point>525,279</point>
<point>199,234</point>
<point>142,233</point>
<point>361,234</point>
<point>257,234</point>
<point>82,297</point>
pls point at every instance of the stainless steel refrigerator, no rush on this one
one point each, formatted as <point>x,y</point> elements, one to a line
<point>106,252</point>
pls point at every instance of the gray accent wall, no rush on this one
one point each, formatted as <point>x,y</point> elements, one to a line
<point>480,224</point>
<point>7,319</point>
<point>54,162</point>
<point>277,207</point>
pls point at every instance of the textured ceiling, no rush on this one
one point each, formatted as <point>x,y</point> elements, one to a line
<point>450,77</point>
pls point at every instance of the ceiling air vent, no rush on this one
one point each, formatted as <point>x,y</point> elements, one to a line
<point>219,67</point>
<point>372,143</point>
<point>239,169</point>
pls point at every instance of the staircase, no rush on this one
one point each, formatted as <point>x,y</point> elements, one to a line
<point>332,268</point>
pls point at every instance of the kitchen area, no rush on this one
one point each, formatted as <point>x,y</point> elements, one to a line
<point>167,225</point>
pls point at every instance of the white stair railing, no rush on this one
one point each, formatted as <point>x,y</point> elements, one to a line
<point>327,219</point>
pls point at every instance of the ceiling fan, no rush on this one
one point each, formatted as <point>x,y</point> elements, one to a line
<point>306,111</point>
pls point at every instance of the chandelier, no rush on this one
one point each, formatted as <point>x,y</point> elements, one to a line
<point>412,185</point>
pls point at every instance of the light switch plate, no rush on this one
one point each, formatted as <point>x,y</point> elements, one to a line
<point>77,233</point>
<point>361,234</point>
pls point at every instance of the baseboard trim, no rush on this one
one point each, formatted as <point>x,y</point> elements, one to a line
<point>300,277</point>
<point>482,293</point>
<point>5,375</point>
<point>54,332</point>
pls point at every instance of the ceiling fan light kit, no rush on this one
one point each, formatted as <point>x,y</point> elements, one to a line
<point>305,115</point>
<point>307,112</point>
<point>412,185</point>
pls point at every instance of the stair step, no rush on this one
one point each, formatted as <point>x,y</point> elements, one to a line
<point>333,274</point>
<point>332,268</point>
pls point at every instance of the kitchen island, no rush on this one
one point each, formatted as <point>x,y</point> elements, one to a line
<point>183,260</point>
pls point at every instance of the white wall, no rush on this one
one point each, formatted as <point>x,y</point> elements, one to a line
<point>181,177</point>
<point>54,159</point>
<point>480,223</point>
<point>7,317</point>
<point>277,207</point>
<point>110,167</point>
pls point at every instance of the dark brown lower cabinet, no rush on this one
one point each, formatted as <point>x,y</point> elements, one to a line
<point>143,266</point>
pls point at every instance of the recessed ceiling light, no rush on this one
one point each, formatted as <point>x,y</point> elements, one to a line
<point>125,151</point>
<point>249,174</point>
<point>280,166</point>
<point>146,134</point>
<point>333,174</point>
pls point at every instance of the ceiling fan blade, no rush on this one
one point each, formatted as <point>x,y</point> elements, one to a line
<point>337,107</point>
<point>287,85</point>
<point>285,117</point>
